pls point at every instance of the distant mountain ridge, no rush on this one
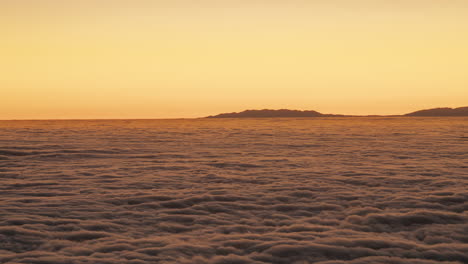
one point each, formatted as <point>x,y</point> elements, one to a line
<point>443,111</point>
<point>269,113</point>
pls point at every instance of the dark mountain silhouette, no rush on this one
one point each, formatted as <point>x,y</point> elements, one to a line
<point>445,111</point>
<point>461,111</point>
<point>271,113</point>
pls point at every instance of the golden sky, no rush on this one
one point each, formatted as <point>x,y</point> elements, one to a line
<point>181,58</point>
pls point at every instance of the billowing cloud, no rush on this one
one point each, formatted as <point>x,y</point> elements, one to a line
<point>221,193</point>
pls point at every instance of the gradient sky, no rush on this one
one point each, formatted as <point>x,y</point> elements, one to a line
<point>176,58</point>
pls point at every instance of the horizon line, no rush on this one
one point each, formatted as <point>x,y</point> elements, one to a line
<point>178,118</point>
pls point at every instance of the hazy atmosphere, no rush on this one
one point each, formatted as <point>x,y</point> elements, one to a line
<point>165,59</point>
<point>234,132</point>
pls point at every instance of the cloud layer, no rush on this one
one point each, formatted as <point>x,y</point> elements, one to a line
<point>326,191</point>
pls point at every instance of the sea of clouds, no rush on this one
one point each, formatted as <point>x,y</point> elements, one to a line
<point>326,190</point>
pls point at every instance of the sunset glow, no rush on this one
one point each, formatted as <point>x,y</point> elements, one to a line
<point>168,59</point>
<point>233,131</point>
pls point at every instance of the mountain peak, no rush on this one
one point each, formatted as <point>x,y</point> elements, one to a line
<point>441,111</point>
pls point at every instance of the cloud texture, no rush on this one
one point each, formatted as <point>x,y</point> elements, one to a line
<point>328,191</point>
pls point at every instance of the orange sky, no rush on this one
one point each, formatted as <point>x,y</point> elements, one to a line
<point>181,58</point>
